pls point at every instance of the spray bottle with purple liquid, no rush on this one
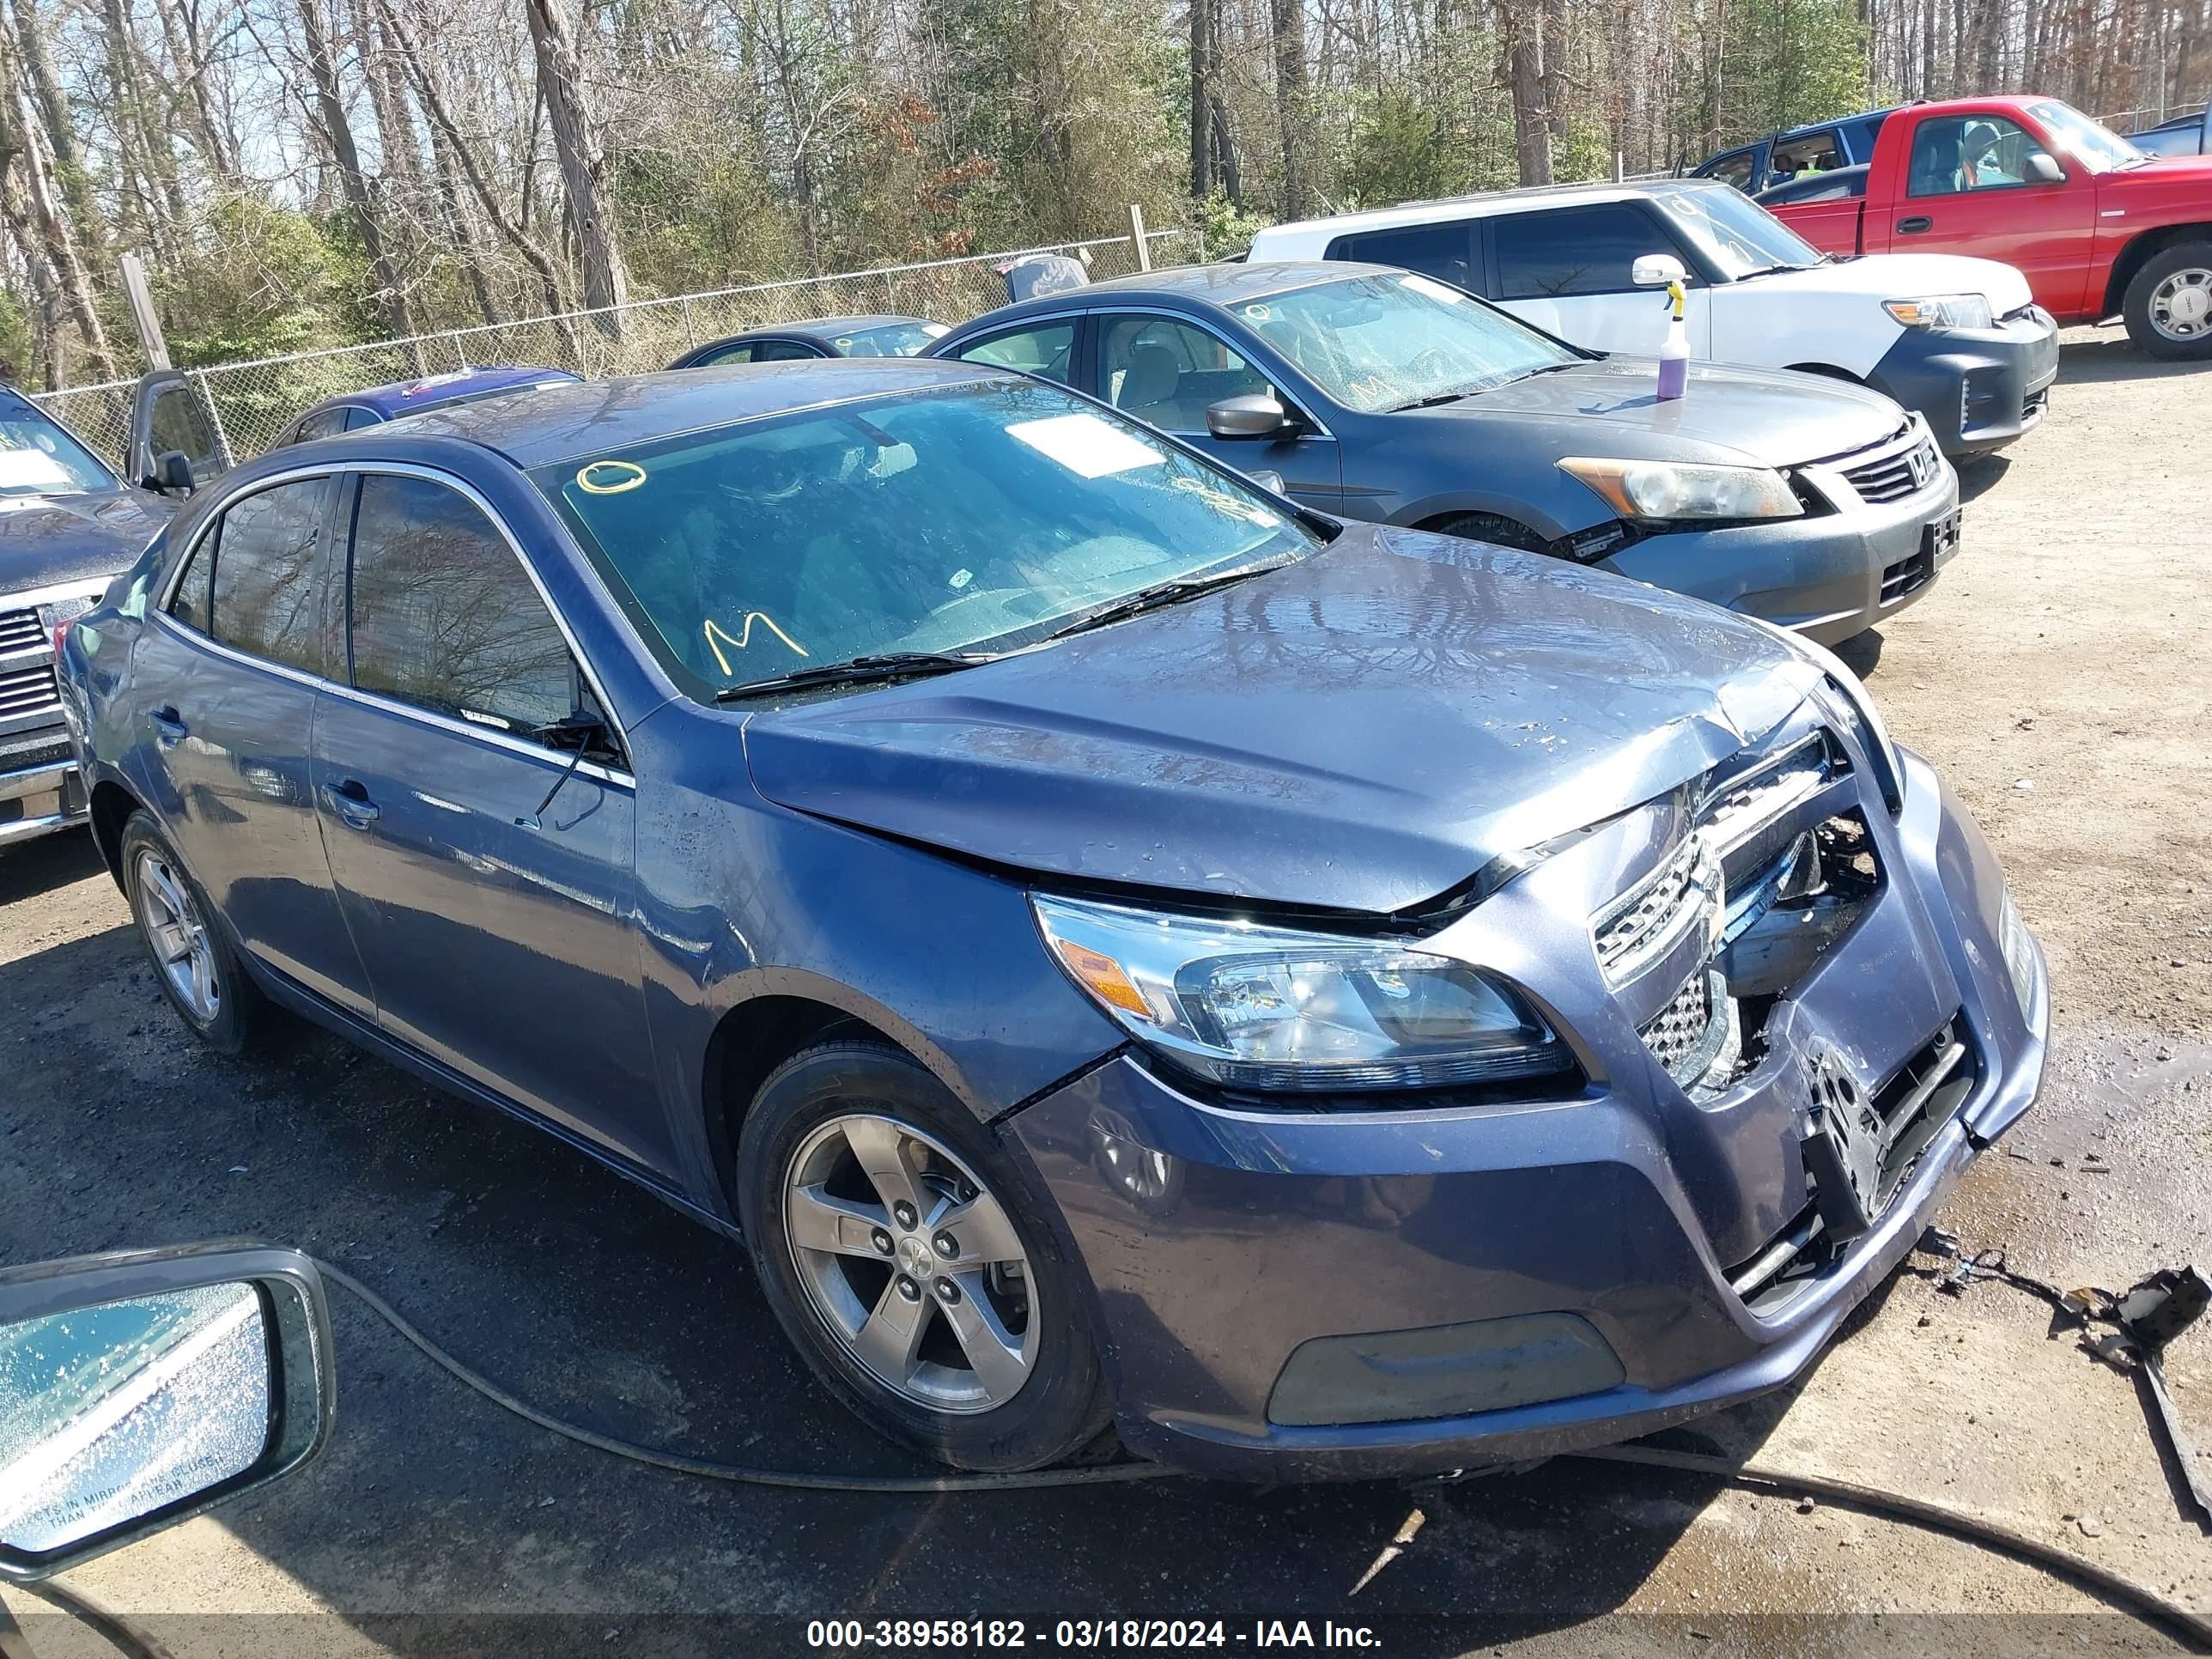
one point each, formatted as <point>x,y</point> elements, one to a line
<point>1675,355</point>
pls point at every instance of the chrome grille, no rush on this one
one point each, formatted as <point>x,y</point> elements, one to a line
<point>19,630</point>
<point>1895,473</point>
<point>26,691</point>
<point>1686,1036</point>
<point>1653,915</point>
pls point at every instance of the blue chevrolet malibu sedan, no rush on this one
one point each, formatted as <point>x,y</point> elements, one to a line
<point>1117,945</point>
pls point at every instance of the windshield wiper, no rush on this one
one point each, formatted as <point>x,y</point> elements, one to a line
<point>1774,271</point>
<point>891,666</point>
<point>1436,398</point>
<point>1160,593</point>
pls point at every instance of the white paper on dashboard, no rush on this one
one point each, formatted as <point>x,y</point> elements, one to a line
<point>1085,445</point>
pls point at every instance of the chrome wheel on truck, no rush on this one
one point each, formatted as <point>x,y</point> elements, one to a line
<point>2181,305</point>
<point>2168,304</point>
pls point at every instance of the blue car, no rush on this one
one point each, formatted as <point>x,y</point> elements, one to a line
<point>376,404</point>
<point>1118,946</point>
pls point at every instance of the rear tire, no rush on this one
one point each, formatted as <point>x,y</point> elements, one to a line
<point>906,1257</point>
<point>192,961</point>
<point>2168,305</point>
<point>1493,528</point>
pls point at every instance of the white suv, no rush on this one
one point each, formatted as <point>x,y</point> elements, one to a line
<point>1956,338</point>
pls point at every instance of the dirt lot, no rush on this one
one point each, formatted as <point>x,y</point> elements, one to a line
<point>2059,676</point>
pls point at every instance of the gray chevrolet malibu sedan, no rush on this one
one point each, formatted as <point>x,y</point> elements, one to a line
<point>1381,394</point>
<point>1328,998</point>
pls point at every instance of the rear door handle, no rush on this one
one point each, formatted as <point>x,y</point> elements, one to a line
<point>1914,225</point>
<point>349,801</point>
<point>168,726</point>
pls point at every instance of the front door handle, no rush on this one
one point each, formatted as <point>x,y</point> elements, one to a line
<point>168,726</point>
<point>1914,225</point>
<point>349,801</point>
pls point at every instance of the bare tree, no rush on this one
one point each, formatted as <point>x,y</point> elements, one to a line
<point>583,168</point>
<point>336,129</point>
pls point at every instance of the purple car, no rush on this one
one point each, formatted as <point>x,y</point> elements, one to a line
<point>1118,946</point>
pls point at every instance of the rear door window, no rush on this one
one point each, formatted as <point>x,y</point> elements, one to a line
<point>443,616</point>
<point>1443,251</point>
<point>784,352</point>
<point>1586,250</point>
<point>255,582</point>
<point>323,423</point>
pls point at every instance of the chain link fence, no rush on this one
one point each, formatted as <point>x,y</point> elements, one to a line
<point>252,402</point>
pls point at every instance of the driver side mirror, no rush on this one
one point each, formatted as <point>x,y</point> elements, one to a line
<point>1657,270</point>
<point>139,1387</point>
<point>1254,415</point>
<point>2042,170</point>
<point>172,474</point>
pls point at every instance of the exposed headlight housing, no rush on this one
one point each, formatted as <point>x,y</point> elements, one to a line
<point>1279,1011</point>
<point>1685,489</point>
<point>1943,311</point>
<point>1855,703</point>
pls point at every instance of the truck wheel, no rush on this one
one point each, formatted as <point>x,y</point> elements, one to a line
<point>2168,308</point>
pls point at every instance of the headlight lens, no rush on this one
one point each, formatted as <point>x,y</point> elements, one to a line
<point>1682,489</point>
<point>1274,1009</point>
<point>1943,311</point>
<point>2018,949</point>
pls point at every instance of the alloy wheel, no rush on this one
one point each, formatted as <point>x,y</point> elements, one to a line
<point>911,1262</point>
<point>180,939</point>
<point>2181,305</point>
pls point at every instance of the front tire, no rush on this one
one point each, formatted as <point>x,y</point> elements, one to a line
<point>193,962</point>
<point>2168,306</point>
<point>1493,528</point>
<point>906,1256</point>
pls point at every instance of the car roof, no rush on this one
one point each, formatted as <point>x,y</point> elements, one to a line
<point>1222,286</point>
<point>1834,122</point>
<point>589,417</point>
<point>822,328</point>
<point>1481,204</point>
<point>429,391</point>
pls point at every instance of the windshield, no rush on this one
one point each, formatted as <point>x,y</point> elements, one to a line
<point>1737,236</point>
<point>891,340</point>
<point>2096,147</point>
<point>37,457</point>
<point>965,519</point>
<point>1384,342</point>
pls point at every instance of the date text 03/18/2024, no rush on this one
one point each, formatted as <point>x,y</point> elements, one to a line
<point>940,1634</point>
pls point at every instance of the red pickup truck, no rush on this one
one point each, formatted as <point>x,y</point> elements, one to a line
<point>2098,228</point>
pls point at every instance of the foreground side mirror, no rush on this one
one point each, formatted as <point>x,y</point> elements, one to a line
<point>1254,415</point>
<point>1657,270</point>
<point>137,1388</point>
<point>172,474</point>
<point>2042,170</point>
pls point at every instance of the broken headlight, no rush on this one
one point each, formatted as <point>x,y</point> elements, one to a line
<point>1271,1009</point>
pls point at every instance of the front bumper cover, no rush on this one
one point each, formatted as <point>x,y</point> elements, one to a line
<point>1258,1231</point>
<point>1978,389</point>
<point>1828,575</point>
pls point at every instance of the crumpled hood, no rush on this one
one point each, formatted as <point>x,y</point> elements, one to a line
<point>1882,276</point>
<point>49,540</point>
<point>1767,415</point>
<point>1362,731</point>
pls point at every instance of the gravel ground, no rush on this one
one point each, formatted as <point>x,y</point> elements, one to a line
<point>2056,675</point>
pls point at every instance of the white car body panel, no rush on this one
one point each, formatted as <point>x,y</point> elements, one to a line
<point>1830,316</point>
